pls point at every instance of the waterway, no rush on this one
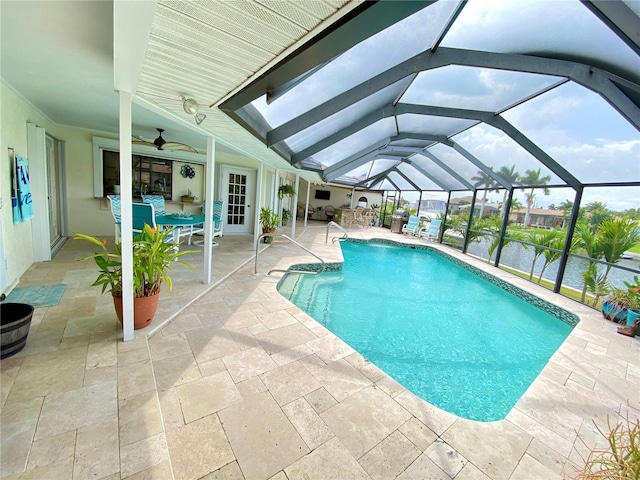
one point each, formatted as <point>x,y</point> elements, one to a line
<point>514,255</point>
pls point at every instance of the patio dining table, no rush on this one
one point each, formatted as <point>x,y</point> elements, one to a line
<point>179,222</point>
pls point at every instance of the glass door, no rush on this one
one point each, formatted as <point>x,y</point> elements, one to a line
<point>238,194</point>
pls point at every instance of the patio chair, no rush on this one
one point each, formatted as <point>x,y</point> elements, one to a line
<point>142,213</point>
<point>218,225</point>
<point>310,212</point>
<point>157,201</point>
<point>328,211</point>
<point>114,205</point>
<point>431,231</point>
<point>412,226</point>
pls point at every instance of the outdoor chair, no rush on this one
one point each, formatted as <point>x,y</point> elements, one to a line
<point>328,211</point>
<point>142,213</point>
<point>157,201</point>
<point>412,226</point>
<point>431,231</point>
<point>218,224</point>
<point>114,205</point>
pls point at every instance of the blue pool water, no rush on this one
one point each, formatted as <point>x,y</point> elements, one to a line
<point>449,336</point>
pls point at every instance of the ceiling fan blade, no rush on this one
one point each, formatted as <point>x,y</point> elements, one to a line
<point>178,146</point>
<point>139,141</point>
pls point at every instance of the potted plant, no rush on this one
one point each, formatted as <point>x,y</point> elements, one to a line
<point>286,215</point>
<point>188,198</point>
<point>286,190</point>
<point>152,258</point>
<point>616,304</point>
<point>633,310</point>
<point>269,221</point>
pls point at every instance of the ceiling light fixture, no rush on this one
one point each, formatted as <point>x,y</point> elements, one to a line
<point>191,107</point>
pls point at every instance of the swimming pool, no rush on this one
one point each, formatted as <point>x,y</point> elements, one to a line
<point>451,337</point>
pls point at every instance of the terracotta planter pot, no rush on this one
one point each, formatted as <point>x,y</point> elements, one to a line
<point>268,230</point>
<point>144,308</point>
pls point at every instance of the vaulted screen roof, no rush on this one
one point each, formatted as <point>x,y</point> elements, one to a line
<point>452,88</point>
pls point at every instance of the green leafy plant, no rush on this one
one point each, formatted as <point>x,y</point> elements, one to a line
<point>152,258</point>
<point>286,190</point>
<point>286,215</point>
<point>268,218</point>
<point>620,458</point>
<point>633,289</point>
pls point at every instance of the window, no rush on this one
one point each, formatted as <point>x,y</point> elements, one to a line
<point>150,167</point>
<point>151,176</point>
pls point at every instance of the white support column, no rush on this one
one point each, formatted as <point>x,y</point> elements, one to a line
<point>208,213</point>
<point>257,231</point>
<point>294,208</point>
<point>274,194</point>
<point>306,205</point>
<point>126,216</point>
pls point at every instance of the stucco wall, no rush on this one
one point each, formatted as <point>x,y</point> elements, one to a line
<point>85,213</point>
<point>18,247</point>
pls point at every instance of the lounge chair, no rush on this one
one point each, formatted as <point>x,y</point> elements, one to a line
<point>412,226</point>
<point>431,231</point>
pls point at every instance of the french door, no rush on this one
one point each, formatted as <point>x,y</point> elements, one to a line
<point>238,193</point>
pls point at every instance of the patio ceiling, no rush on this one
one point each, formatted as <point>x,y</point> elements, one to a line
<point>397,109</point>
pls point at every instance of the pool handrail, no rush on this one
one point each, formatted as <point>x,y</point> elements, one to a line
<point>265,235</point>
<point>334,224</point>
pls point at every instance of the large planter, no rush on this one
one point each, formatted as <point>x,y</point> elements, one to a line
<point>144,308</point>
<point>613,312</point>
<point>268,240</point>
<point>632,317</point>
<point>15,319</point>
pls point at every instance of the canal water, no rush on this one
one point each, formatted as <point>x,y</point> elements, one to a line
<point>514,255</point>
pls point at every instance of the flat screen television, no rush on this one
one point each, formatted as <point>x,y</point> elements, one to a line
<point>323,194</point>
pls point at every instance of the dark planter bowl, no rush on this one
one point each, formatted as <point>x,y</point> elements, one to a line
<point>15,322</point>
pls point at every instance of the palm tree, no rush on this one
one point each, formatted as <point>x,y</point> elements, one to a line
<point>494,223</point>
<point>481,179</point>
<point>584,240</point>
<point>566,207</point>
<point>541,243</point>
<point>516,204</point>
<point>597,212</point>
<point>616,237</point>
<point>511,176</point>
<point>554,252</point>
<point>533,178</point>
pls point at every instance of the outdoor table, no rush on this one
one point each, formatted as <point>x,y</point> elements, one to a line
<point>178,222</point>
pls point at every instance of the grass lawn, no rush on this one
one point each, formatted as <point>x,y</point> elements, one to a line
<point>635,248</point>
<point>566,291</point>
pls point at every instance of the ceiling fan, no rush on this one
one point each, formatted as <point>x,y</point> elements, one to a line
<point>161,144</point>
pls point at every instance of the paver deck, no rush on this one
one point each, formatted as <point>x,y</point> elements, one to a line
<point>235,382</point>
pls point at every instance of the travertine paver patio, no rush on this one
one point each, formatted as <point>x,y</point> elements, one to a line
<point>242,384</point>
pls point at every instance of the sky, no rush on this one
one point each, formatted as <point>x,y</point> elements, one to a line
<point>573,125</point>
